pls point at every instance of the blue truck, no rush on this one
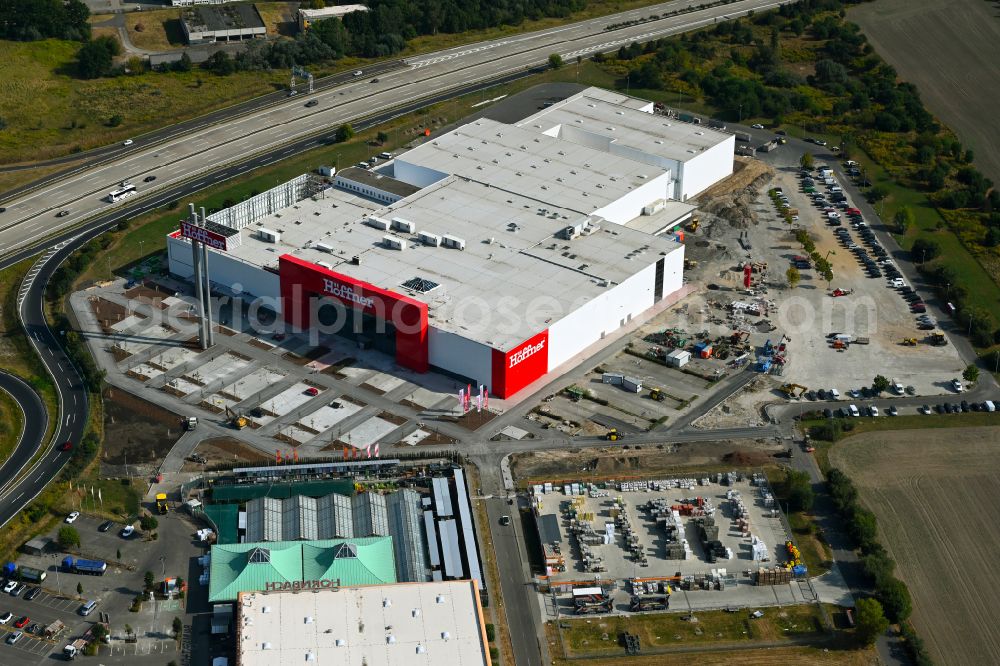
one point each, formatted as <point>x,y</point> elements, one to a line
<point>88,567</point>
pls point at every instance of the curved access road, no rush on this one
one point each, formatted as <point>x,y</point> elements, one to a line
<point>186,158</point>
<point>34,422</point>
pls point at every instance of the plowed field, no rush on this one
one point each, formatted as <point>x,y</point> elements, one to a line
<point>936,497</point>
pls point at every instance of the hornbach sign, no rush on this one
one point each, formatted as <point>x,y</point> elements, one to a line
<point>295,585</point>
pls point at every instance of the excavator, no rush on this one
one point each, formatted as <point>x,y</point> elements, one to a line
<point>909,342</point>
<point>236,420</point>
<point>789,390</point>
<point>658,395</point>
<point>937,338</point>
<point>739,336</point>
<point>613,435</point>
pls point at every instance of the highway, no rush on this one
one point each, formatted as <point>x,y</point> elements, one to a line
<point>173,159</point>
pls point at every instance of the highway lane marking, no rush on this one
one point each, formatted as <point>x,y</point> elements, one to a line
<point>19,496</point>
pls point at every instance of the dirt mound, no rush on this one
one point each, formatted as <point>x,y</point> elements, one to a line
<point>732,199</point>
<point>746,458</point>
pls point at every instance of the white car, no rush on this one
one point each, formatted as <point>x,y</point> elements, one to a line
<point>897,283</point>
<point>358,73</point>
<point>71,518</point>
<point>834,394</point>
<point>127,142</point>
<point>11,584</point>
<point>6,617</point>
<point>873,410</point>
<point>853,410</point>
<point>957,385</point>
<point>127,531</point>
<point>757,126</point>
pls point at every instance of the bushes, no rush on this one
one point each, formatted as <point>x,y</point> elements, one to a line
<point>797,488</point>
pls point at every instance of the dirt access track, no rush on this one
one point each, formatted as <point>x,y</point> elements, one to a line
<point>935,495</point>
<point>956,67</point>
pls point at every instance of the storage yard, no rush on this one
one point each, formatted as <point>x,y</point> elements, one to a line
<point>712,541</point>
<point>934,493</point>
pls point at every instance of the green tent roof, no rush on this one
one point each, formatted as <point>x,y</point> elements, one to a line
<point>243,567</point>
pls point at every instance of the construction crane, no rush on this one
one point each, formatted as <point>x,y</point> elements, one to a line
<point>236,420</point>
<point>789,390</point>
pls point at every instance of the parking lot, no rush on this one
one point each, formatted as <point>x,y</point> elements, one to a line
<point>743,511</point>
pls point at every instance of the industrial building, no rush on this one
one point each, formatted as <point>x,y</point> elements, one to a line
<point>309,16</point>
<point>409,624</point>
<point>493,253</point>
<point>229,23</point>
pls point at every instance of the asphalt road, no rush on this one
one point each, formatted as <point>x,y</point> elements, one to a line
<point>32,216</point>
<point>33,428</point>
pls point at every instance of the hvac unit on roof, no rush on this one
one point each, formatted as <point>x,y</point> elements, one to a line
<point>453,242</point>
<point>654,208</point>
<point>323,247</point>
<point>427,238</point>
<point>400,224</point>
<point>394,242</point>
<point>268,235</point>
<point>325,265</point>
<point>378,223</point>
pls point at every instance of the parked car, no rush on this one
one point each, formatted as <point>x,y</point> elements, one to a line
<point>32,593</point>
<point>828,413</point>
<point>22,622</point>
<point>6,617</point>
<point>11,584</point>
<point>853,410</point>
<point>105,526</point>
<point>16,592</point>
<point>892,411</point>
<point>127,531</point>
<point>957,385</point>
<point>71,518</point>
<point>873,410</point>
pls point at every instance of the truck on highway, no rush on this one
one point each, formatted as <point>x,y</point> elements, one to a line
<point>88,567</point>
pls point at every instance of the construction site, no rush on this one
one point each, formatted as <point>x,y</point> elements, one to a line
<point>712,541</point>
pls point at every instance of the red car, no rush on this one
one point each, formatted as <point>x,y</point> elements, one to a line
<point>22,622</point>
<point>66,446</point>
<point>312,390</point>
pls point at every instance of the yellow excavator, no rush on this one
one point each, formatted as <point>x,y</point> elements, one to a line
<point>937,338</point>
<point>613,435</point>
<point>236,420</point>
<point>658,395</point>
<point>909,342</point>
<point>789,390</point>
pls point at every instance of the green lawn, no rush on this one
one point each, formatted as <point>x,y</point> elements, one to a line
<point>664,630</point>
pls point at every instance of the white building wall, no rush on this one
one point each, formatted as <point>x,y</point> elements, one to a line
<point>460,355</point>
<point>673,271</point>
<point>711,166</point>
<point>227,272</point>
<point>630,206</point>
<point>414,174</point>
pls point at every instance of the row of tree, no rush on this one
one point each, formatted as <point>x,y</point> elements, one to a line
<point>30,20</point>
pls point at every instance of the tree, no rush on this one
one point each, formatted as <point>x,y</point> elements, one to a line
<point>381,137</point>
<point>178,627</point>
<point>895,599</point>
<point>924,249</point>
<point>869,620</point>
<point>793,276</point>
<point>806,161</point>
<point>317,4</point>
<point>798,490</point>
<point>220,63</point>
<point>149,579</point>
<point>903,219</point>
<point>184,64</point>
<point>828,276</point>
<point>344,133</point>
<point>555,61</point>
<point>148,523</point>
<point>877,193</point>
<point>118,554</point>
<point>79,589</point>
<point>880,383</point>
<point>863,527</point>
<point>971,373</point>
<point>95,58</point>
<point>115,120</point>
<point>68,537</point>
<point>878,565</point>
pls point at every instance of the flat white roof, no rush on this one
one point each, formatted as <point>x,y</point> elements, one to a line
<point>562,173</point>
<point>327,12</point>
<point>512,251</point>
<point>406,624</point>
<point>623,120</point>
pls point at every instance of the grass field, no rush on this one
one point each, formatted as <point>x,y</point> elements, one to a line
<point>956,68</point>
<point>49,112</point>
<point>599,636</point>
<point>934,492</point>
<point>158,30</point>
<point>11,422</point>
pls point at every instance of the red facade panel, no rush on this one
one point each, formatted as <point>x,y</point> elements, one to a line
<point>302,281</point>
<point>520,366</point>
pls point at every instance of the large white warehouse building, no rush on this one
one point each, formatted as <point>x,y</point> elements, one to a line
<point>494,253</point>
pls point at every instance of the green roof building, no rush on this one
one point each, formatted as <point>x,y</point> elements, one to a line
<point>299,565</point>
